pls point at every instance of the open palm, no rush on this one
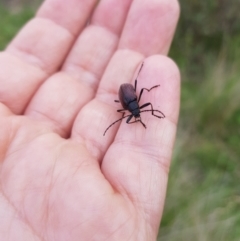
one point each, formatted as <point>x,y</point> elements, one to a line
<point>61,179</point>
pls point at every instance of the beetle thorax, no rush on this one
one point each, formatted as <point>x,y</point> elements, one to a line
<point>133,107</point>
<point>136,113</point>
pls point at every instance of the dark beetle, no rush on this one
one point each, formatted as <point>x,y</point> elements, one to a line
<point>129,101</point>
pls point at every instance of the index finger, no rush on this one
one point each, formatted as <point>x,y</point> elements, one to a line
<point>137,162</point>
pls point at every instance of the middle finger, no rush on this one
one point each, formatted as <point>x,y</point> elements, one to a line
<point>61,97</point>
<point>90,122</point>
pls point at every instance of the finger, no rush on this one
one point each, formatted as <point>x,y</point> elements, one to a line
<point>150,22</point>
<point>137,162</point>
<point>4,111</point>
<point>58,101</point>
<point>114,75</point>
<point>114,10</point>
<point>46,39</point>
<point>94,117</point>
<point>119,70</point>
<point>61,97</point>
<point>39,49</point>
<point>18,81</point>
<point>139,10</point>
<point>96,45</point>
<point>71,15</point>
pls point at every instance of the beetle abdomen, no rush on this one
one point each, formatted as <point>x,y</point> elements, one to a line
<point>127,95</point>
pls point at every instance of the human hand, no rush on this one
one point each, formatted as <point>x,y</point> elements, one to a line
<point>61,179</point>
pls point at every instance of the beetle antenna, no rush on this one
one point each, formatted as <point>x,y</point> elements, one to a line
<point>163,116</point>
<point>114,123</point>
<point>140,70</point>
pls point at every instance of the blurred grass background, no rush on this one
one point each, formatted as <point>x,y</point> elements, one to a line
<point>203,199</point>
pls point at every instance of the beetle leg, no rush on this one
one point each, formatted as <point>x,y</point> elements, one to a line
<point>155,86</point>
<point>116,122</point>
<point>121,110</point>
<point>143,124</point>
<point>129,118</point>
<point>152,110</point>
<point>116,101</point>
<point>145,105</point>
<point>136,120</point>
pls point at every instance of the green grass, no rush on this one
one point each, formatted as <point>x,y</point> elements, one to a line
<point>11,23</point>
<point>203,198</point>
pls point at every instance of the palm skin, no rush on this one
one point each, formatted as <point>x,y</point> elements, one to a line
<point>60,178</point>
